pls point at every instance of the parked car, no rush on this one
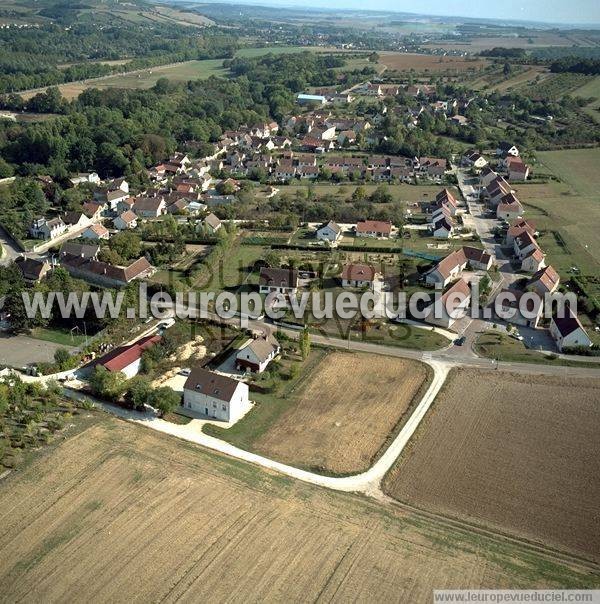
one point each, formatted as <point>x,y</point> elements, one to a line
<point>460,341</point>
<point>185,372</point>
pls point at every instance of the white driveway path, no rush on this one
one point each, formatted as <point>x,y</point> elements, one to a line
<point>368,482</point>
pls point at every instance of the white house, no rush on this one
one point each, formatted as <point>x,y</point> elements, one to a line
<point>47,229</point>
<point>568,332</point>
<point>509,208</point>
<point>329,232</point>
<point>127,359</point>
<point>524,244</point>
<point>358,275</point>
<point>447,269</point>
<point>149,207</point>
<point>511,303</point>
<point>257,354</point>
<point>215,396</point>
<point>85,177</point>
<point>278,280</point>
<point>451,305</point>
<point>545,281</point>
<point>443,228</point>
<point>505,148</point>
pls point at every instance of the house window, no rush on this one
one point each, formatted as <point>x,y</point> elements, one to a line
<point>214,405</point>
<point>224,407</point>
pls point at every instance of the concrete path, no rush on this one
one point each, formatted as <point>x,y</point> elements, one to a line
<point>367,482</point>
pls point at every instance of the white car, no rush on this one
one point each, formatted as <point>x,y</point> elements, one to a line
<point>185,372</point>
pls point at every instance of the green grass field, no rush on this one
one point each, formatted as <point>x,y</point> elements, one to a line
<point>178,72</point>
<point>567,212</point>
<point>57,336</point>
<point>400,192</point>
<point>590,89</point>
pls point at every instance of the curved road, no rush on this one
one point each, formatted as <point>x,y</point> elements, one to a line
<point>367,482</point>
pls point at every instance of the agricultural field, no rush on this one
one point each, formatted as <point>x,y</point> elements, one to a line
<point>122,513</point>
<point>177,72</point>
<point>332,426</point>
<point>591,89</point>
<point>396,61</point>
<point>515,453</point>
<point>567,211</point>
<point>556,86</point>
<point>497,82</point>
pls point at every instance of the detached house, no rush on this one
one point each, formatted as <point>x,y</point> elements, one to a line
<point>329,232</point>
<point>358,275</point>
<point>47,229</point>
<point>127,359</point>
<point>505,149</point>
<point>149,207</point>
<point>212,223</point>
<point>127,220</point>
<point>215,396</point>
<point>374,228</point>
<point>509,208</point>
<point>257,354</point>
<point>96,231</point>
<point>569,332</point>
<point>32,270</point>
<point>442,228</point>
<point>278,280</point>
<point>451,306</point>
<point>518,227</point>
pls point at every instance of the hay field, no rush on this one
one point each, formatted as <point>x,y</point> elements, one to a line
<point>123,514</point>
<point>519,454</point>
<point>342,416</point>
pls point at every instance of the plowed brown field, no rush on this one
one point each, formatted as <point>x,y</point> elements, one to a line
<point>517,453</point>
<point>345,413</point>
<point>123,514</point>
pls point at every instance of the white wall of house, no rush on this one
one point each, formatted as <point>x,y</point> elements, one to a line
<point>327,234</point>
<point>575,338</point>
<point>227,411</point>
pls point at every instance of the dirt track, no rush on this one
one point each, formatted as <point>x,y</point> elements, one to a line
<point>517,453</point>
<point>122,514</point>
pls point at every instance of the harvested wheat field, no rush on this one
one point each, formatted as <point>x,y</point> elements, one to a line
<point>517,453</point>
<point>123,514</point>
<point>344,413</point>
<point>403,61</point>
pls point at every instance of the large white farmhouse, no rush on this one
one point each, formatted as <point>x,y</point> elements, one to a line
<point>216,396</point>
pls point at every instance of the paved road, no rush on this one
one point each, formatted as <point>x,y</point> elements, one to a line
<point>9,247</point>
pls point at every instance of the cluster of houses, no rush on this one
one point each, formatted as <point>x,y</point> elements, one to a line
<point>451,109</point>
<point>281,158</point>
<point>521,239</point>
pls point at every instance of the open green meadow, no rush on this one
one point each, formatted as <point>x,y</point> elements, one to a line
<point>567,212</point>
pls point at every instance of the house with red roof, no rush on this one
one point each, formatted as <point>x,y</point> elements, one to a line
<point>374,228</point>
<point>127,359</point>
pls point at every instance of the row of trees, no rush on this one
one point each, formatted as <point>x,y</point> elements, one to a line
<point>135,393</point>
